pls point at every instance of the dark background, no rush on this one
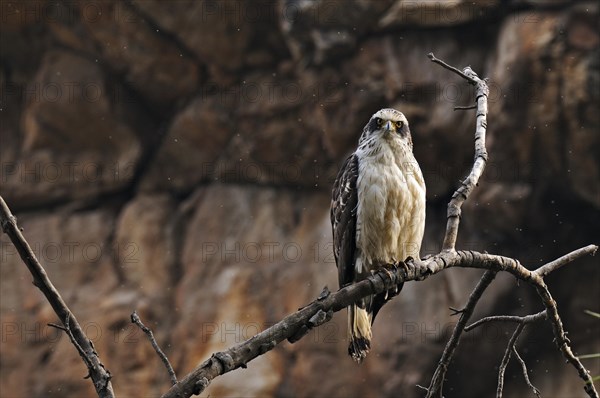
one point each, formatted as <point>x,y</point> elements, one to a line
<point>177,158</point>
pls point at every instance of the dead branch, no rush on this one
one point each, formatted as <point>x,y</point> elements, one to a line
<point>454,211</point>
<point>560,336</point>
<point>508,318</point>
<point>452,68</point>
<point>481,156</point>
<point>561,261</point>
<point>98,373</point>
<point>437,381</point>
<point>525,373</point>
<point>135,318</point>
<point>465,108</point>
<point>296,325</point>
<point>67,330</point>
<point>509,349</point>
<point>453,216</point>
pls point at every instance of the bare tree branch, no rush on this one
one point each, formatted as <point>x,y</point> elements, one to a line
<point>465,108</point>
<point>452,68</point>
<point>437,381</point>
<point>508,318</point>
<point>321,310</point>
<point>515,268</point>
<point>454,212</point>
<point>560,337</point>
<point>564,260</point>
<point>481,156</point>
<point>135,318</point>
<point>453,215</point>
<point>511,347</point>
<point>525,373</point>
<point>67,330</point>
<point>99,374</point>
<point>506,358</point>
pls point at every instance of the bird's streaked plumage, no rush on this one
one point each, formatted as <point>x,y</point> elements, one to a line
<point>377,215</point>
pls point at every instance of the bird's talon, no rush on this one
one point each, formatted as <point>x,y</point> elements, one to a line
<point>387,271</point>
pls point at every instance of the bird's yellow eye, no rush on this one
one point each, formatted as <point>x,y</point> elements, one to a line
<point>399,124</point>
<point>379,121</point>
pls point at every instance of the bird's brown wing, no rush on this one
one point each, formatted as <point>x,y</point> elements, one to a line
<point>343,219</point>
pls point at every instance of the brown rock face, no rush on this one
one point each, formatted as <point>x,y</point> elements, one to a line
<point>73,145</point>
<point>134,48</point>
<point>177,158</point>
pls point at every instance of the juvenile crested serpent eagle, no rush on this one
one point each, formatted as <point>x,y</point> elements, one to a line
<point>377,214</point>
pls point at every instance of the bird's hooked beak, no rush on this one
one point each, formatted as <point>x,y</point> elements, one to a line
<point>389,128</point>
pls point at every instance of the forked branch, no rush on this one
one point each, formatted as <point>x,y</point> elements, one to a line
<point>481,156</point>
<point>98,373</point>
<point>296,325</point>
<point>511,348</point>
<point>437,381</point>
<point>536,277</point>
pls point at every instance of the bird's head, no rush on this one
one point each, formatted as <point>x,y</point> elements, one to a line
<point>388,124</point>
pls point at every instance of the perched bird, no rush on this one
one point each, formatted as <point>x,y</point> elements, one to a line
<point>377,215</point>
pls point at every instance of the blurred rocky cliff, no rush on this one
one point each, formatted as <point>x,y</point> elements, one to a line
<point>177,158</point>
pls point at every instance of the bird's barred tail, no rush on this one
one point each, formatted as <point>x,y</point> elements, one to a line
<point>359,330</point>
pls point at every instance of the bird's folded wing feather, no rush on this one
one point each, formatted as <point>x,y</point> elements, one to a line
<point>343,219</point>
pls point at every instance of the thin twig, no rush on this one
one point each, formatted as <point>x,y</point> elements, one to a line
<point>59,327</point>
<point>135,318</point>
<point>437,381</point>
<point>451,68</point>
<point>589,356</point>
<point>508,318</point>
<point>566,259</point>
<point>465,108</point>
<point>526,373</point>
<point>455,311</point>
<point>67,330</point>
<point>99,374</point>
<point>506,358</point>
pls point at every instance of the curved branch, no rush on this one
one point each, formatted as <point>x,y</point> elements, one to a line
<point>560,337</point>
<point>535,278</point>
<point>451,68</point>
<point>296,325</point>
<point>509,349</point>
<point>99,374</point>
<point>564,260</point>
<point>437,381</point>
<point>135,318</point>
<point>481,156</point>
<point>534,389</point>
<point>508,318</point>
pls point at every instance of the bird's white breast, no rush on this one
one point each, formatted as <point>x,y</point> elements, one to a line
<point>391,204</point>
